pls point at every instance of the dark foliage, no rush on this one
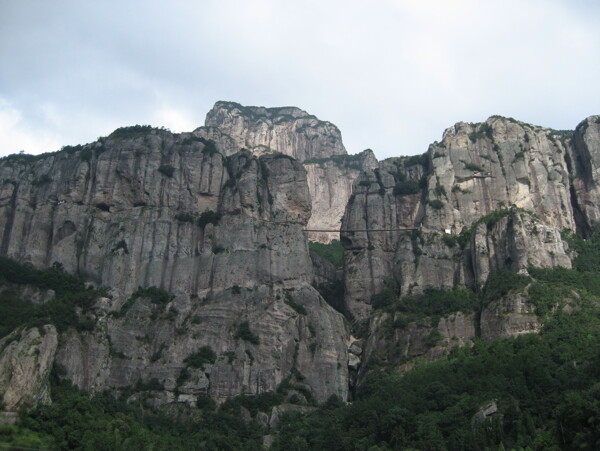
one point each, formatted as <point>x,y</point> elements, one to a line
<point>86,154</point>
<point>483,131</point>
<point>121,245</point>
<point>70,294</point>
<point>463,239</point>
<point>348,161</point>
<point>155,294</point>
<point>333,252</point>
<point>436,204</point>
<point>201,357</point>
<point>208,217</point>
<point>298,308</point>
<point>42,180</point>
<point>544,400</point>
<point>133,131</point>
<point>407,187</point>
<point>209,148</point>
<point>77,421</point>
<point>244,333</point>
<point>473,167</point>
<point>183,216</point>
<point>545,386</point>
<point>431,303</point>
<point>413,160</point>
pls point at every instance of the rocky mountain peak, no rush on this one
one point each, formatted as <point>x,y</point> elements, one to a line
<point>202,239</point>
<point>288,130</point>
<point>543,180</point>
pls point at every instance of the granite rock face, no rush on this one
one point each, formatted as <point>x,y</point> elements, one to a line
<point>490,196</point>
<point>516,241</point>
<point>584,160</point>
<point>431,339</point>
<point>330,185</point>
<point>129,217</point>
<point>288,130</point>
<point>26,359</point>
<point>223,235</point>
<point>291,131</point>
<point>204,248</point>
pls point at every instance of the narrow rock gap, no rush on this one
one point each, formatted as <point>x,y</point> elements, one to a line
<point>11,219</point>
<point>582,228</point>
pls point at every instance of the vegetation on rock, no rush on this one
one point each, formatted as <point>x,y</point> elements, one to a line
<point>545,387</point>
<point>333,252</point>
<point>70,294</point>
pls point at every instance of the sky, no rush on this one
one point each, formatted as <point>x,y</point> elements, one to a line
<point>391,74</point>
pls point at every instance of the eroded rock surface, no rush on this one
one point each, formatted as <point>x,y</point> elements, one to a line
<point>222,232</point>
<point>291,131</point>
<point>507,187</point>
<point>288,130</point>
<point>25,363</point>
<point>224,235</point>
<point>330,184</point>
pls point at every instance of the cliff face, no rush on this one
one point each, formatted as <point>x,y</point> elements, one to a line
<point>25,363</point>
<point>489,196</point>
<point>224,235</point>
<point>430,339</point>
<point>204,250</point>
<point>296,133</point>
<point>330,185</point>
<point>584,161</point>
<point>288,130</point>
<point>129,216</point>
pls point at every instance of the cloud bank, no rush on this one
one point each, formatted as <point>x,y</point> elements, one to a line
<point>392,74</point>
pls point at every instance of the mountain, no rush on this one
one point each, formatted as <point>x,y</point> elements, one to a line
<point>294,132</point>
<point>222,235</point>
<point>489,197</point>
<point>175,268</point>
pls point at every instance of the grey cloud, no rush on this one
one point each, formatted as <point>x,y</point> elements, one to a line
<point>391,74</point>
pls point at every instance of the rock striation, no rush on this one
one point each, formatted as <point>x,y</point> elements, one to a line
<point>201,239</point>
<point>288,130</point>
<point>489,196</point>
<point>26,360</point>
<point>330,185</point>
<point>223,235</point>
<point>294,132</point>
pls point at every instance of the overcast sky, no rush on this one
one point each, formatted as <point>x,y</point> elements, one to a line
<point>391,74</point>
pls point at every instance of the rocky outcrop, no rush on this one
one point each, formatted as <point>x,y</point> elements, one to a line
<point>508,317</point>
<point>225,144</point>
<point>204,248</point>
<point>293,132</point>
<point>223,235</point>
<point>288,130</point>
<point>325,272</point>
<point>583,158</point>
<point>484,167</point>
<point>400,345</point>
<point>423,211</point>
<point>26,359</point>
<point>330,185</point>
<point>379,239</point>
<point>517,241</point>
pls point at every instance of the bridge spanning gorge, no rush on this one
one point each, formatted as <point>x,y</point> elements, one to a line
<point>404,229</point>
<point>396,229</point>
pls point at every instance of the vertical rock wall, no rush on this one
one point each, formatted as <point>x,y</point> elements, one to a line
<point>476,171</point>
<point>223,235</point>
